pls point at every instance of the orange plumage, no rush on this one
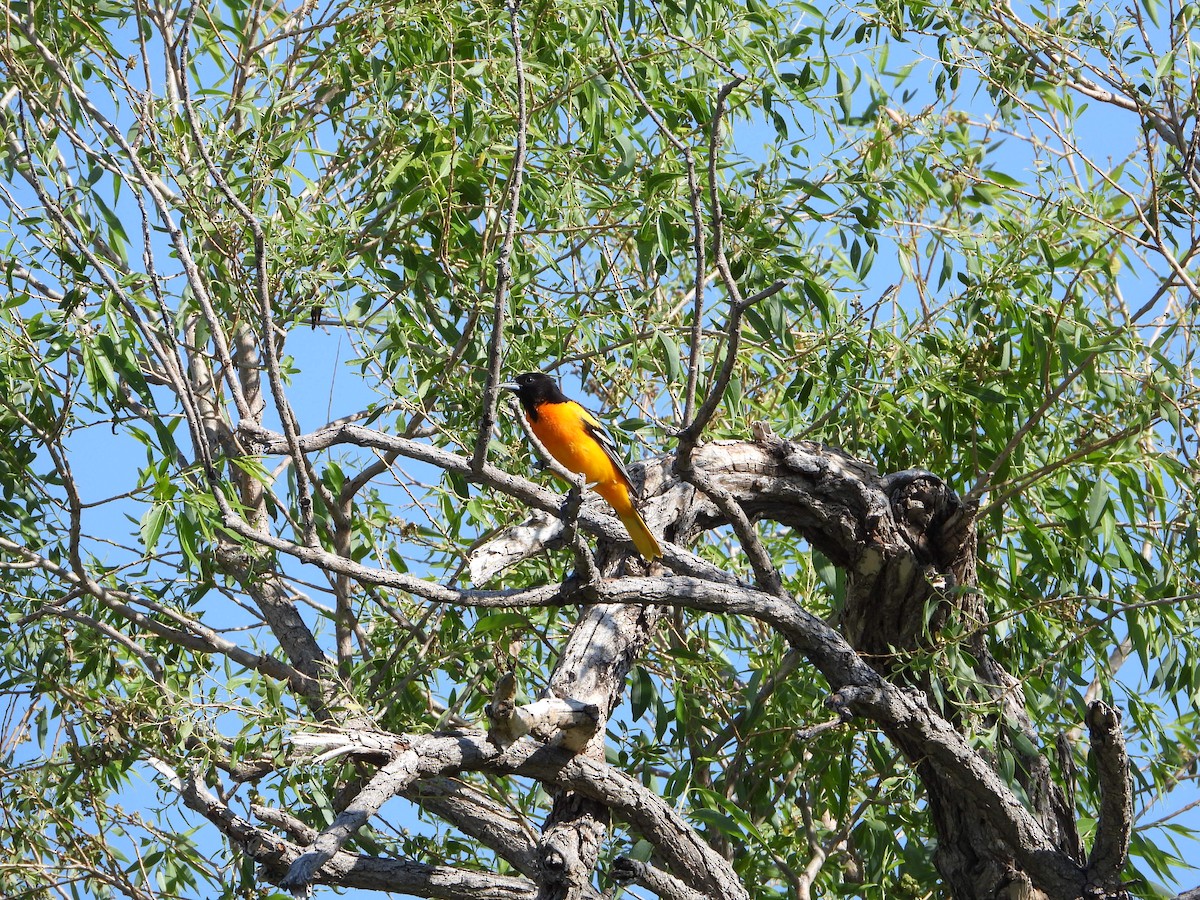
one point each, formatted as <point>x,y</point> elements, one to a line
<point>578,440</point>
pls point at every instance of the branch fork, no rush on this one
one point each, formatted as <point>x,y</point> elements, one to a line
<point>561,722</point>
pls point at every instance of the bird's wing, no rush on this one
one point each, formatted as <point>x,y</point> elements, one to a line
<point>597,430</point>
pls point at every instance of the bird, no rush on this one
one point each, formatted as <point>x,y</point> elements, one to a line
<point>578,440</point>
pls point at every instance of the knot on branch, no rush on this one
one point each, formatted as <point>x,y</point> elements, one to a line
<point>917,569</point>
<point>923,505</point>
<point>554,865</point>
<point>1104,723</point>
<point>839,702</point>
<point>1019,887</point>
<point>239,561</point>
<point>558,722</point>
<point>570,844</point>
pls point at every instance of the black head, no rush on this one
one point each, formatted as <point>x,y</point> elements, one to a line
<point>534,389</point>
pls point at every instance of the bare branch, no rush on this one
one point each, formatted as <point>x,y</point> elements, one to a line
<point>389,781</point>
<point>476,815</point>
<point>630,871</point>
<point>677,843</point>
<point>691,435</point>
<point>694,199</point>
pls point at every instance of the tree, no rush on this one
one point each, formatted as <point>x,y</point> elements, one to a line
<point>893,301</point>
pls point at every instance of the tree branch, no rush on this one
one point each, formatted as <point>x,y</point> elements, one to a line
<point>1113,824</point>
<point>691,435</point>
<point>694,199</point>
<point>902,713</point>
<point>605,526</point>
<point>414,756</point>
<point>342,869</point>
<point>287,415</point>
<point>190,633</point>
<point>476,815</point>
<point>631,871</point>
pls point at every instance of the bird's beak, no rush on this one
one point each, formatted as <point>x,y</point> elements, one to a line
<point>510,386</point>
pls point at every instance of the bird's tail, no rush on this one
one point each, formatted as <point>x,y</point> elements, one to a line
<point>640,534</point>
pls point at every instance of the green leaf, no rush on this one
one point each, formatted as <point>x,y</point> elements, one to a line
<point>670,355</point>
<point>642,692</point>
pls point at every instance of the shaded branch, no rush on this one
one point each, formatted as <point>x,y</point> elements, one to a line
<point>480,817</point>
<point>631,871</point>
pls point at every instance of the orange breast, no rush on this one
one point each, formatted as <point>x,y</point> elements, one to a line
<point>562,431</point>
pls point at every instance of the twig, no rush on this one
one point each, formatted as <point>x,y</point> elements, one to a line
<point>807,734</point>
<point>983,483</point>
<point>766,577</point>
<point>698,252</point>
<point>491,391</point>
<point>781,673</point>
<point>190,633</point>
<point>160,194</point>
<point>584,561</point>
<point>765,574</point>
<point>690,435</point>
<point>626,870</point>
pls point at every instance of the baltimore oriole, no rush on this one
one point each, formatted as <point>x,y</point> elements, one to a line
<point>576,439</point>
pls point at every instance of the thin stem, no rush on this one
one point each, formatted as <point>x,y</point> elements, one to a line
<point>491,391</point>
